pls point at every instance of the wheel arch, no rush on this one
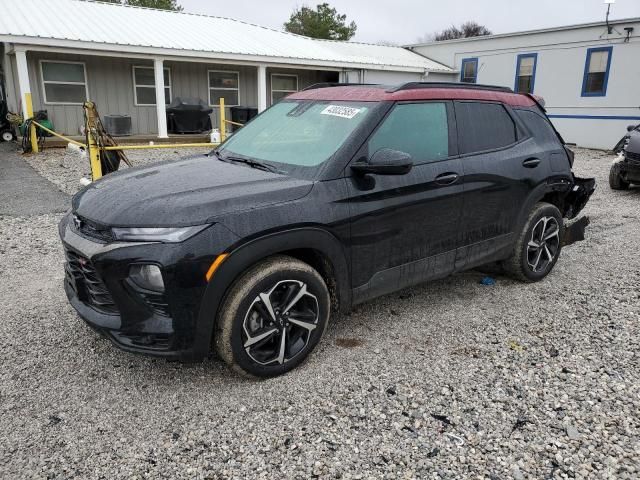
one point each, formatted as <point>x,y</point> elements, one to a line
<point>315,246</point>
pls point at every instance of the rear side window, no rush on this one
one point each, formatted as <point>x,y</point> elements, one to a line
<point>419,129</point>
<point>539,126</point>
<point>484,126</point>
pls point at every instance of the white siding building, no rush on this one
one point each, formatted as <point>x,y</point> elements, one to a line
<point>134,61</point>
<point>588,75</point>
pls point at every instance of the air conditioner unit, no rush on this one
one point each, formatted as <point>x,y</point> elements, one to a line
<point>118,125</point>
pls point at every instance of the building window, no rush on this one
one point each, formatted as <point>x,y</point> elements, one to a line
<point>224,84</point>
<point>596,72</point>
<point>469,70</point>
<point>144,83</point>
<point>282,85</point>
<point>526,72</point>
<point>64,82</point>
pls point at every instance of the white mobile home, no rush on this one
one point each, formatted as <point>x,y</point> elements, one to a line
<point>134,61</point>
<point>589,75</point>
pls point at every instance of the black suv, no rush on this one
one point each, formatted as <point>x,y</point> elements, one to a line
<point>626,169</point>
<point>333,196</point>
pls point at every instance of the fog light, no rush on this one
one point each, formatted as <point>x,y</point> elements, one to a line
<point>147,276</point>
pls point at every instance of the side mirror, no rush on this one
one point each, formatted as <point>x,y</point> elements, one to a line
<point>385,162</point>
<point>631,128</point>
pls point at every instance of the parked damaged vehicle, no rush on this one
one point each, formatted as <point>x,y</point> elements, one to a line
<point>332,197</point>
<point>626,168</point>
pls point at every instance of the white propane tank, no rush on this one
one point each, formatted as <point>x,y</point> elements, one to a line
<point>215,136</point>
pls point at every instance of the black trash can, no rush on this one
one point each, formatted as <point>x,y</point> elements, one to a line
<point>188,115</point>
<point>242,115</point>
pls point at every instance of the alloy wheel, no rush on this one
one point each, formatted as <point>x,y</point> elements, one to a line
<point>279,323</point>
<point>544,244</point>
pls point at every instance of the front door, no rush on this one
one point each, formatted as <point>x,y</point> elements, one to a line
<point>404,227</point>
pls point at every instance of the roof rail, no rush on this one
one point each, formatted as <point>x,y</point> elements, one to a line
<point>467,86</point>
<point>338,84</point>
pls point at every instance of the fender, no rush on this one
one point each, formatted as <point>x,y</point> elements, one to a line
<point>247,254</point>
<point>562,185</point>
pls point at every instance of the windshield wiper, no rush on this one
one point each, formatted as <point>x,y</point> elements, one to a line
<point>248,161</point>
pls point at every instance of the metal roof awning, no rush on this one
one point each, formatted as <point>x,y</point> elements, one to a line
<point>95,26</point>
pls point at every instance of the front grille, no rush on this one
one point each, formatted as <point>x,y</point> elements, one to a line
<point>93,230</point>
<point>88,285</point>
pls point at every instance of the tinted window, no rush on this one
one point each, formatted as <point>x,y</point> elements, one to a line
<point>484,126</point>
<point>539,126</point>
<point>419,129</point>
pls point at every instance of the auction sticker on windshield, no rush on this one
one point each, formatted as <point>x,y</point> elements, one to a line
<point>341,111</point>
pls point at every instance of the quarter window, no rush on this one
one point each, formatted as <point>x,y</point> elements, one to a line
<point>282,85</point>
<point>64,82</point>
<point>224,84</point>
<point>469,70</point>
<point>484,126</point>
<point>526,72</point>
<point>144,83</point>
<point>596,72</point>
<point>419,129</point>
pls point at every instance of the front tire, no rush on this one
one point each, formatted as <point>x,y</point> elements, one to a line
<point>273,317</point>
<point>538,246</point>
<point>616,182</point>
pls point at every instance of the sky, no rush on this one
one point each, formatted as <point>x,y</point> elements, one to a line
<point>409,21</point>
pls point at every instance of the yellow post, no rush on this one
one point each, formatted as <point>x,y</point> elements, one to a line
<point>223,121</point>
<point>92,145</point>
<point>32,130</point>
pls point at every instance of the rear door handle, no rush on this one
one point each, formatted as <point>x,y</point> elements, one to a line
<point>447,178</point>
<point>531,162</point>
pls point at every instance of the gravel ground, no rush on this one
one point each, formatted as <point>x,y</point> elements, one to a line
<point>452,379</point>
<point>65,168</point>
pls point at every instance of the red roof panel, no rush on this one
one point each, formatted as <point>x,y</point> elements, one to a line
<point>377,94</point>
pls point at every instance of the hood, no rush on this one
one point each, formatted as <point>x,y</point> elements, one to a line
<point>190,191</point>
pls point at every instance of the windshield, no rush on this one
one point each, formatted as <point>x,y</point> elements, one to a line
<point>297,134</point>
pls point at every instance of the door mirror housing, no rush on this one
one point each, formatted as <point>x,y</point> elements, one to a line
<point>631,128</point>
<point>385,161</point>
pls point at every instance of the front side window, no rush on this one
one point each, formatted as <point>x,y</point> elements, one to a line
<point>484,126</point>
<point>526,72</point>
<point>596,72</point>
<point>224,84</point>
<point>297,135</point>
<point>282,85</point>
<point>419,129</point>
<point>144,83</point>
<point>469,70</point>
<point>64,82</point>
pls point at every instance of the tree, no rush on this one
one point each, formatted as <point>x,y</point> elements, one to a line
<point>323,22</point>
<point>160,4</point>
<point>467,29</point>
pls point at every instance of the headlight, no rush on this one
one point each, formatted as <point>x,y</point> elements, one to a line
<point>148,277</point>
<point>161,234</point>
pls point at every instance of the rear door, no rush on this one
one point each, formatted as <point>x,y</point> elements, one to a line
<point>502,165</point>
<point>404,227</point>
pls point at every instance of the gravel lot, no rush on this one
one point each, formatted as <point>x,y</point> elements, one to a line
<point>452,379</point>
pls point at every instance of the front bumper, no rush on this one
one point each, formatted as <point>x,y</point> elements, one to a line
<point>630,167</point>
<point>168,325</point>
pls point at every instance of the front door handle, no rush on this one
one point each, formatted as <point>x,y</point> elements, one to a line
<point>531,162</point>
<point>447,178</point>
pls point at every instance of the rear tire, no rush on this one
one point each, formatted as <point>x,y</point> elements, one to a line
<point>538,246</point>
<point>616,182</point>
<point>272,318</point>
